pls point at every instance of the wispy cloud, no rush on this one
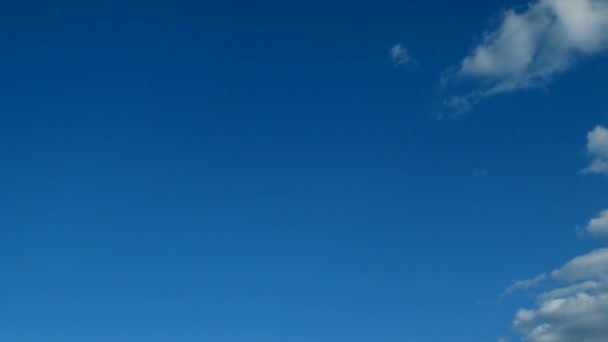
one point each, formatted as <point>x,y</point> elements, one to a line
<point>568,291</point>
<point>400,55</point>
<point>525,284</point>
<point>529,48</point>
<point>597,149</point>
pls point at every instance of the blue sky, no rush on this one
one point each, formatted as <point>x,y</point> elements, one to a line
<point>304,171</point>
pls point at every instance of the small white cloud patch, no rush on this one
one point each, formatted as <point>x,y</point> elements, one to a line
<point>400,56</point>
<point>598,226</point>
<point>597,149</point>
<point>530,47</point>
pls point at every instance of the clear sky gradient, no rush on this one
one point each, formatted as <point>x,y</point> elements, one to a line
<point>238,171</point>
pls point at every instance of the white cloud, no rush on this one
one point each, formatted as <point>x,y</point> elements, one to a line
<point>597,148</point>
<point>569,291</point>
<point>572,313</point>
<point>576,318</point>
<point>530,47</point>
<point>524,284</point>
<point>400,55</point>
<point>598,226</point>
<point>576,309</point>
<point>585,267</point>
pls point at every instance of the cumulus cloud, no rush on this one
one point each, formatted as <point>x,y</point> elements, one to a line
<point>400,56</point>
<point>597,149</point>
<point>577,318</point>
<point>589,266</point>
<point>575,308</point>
<point>528,48</point>
<point>575,311</point>
<point>598,226</point>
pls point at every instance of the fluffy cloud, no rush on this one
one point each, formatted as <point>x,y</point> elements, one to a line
<point>597,148</point>
<point>528,48</point>
<point>400,56</point>
<point>598,226</point>
<point>589,266</point>
<point>577,318</point>
<point>576,311</point>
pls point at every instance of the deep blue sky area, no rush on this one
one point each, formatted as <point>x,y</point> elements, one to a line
<point>238,171</point>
